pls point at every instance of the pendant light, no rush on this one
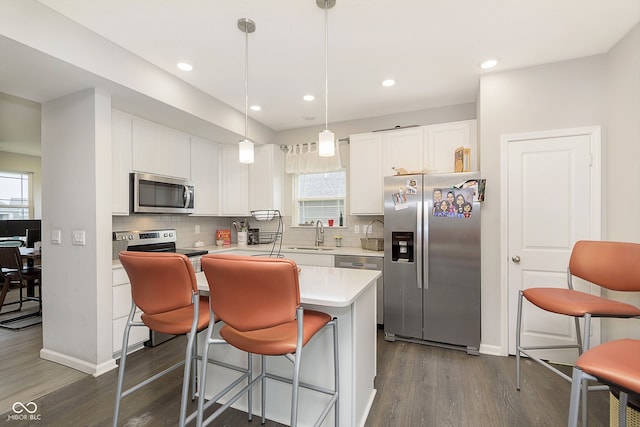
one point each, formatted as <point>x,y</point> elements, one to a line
<point>326,138</point>
<point>245,147</point>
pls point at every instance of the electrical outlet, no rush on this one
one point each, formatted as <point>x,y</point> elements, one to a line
<point>356,229</point>
<point>197,229</point>
<point>78,237</point>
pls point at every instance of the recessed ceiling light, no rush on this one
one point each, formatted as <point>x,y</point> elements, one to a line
<point>185,66</point>
<point>388,83</point>
<point>308,97</point>
<point>256,108</point>
<point>489,63</point>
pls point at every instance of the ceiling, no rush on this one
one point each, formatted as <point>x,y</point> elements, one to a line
<point>432,48</point>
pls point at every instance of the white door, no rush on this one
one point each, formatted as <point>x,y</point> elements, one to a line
<point>552,187</point>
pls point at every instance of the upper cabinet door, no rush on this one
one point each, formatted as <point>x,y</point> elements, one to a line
<point>441,141</point>
<point>161,150</point>
<point>205,175</point>
<point>402,149</point>
<point>120,162</point>
<point>266,178</point>
<point>235,183</point>
<point>365,174</point>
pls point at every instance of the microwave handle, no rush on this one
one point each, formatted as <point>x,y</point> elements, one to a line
<point>186,196</point>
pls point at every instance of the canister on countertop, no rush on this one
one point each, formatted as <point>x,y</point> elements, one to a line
<point>254,236</point>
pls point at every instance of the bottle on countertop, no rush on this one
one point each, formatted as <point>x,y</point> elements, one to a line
<point>341,221</point>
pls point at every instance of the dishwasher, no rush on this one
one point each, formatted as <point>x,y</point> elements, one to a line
<point>366,263</point>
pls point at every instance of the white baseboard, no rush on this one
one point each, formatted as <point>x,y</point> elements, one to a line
<point>77,364</point>
<point>493,350</point>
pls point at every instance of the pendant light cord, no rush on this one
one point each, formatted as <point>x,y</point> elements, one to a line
<point>326,65</point>
<point>246,81</point>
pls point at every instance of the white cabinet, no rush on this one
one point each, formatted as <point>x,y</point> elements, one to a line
<point>441,141</point>
<point>234,189</point>
<point>365,174</point>
<point>372,156</point>
<point>160,150</point>
<point>121,298</point>
<point>402,149</point>
<point>120,162</point>
<point>425,148</point>
<point>266,178</point>
<point>205,175</point>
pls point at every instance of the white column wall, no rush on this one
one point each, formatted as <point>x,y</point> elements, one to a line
<point>76,187</point>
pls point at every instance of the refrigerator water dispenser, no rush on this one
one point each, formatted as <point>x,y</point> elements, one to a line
<point>402,246</point>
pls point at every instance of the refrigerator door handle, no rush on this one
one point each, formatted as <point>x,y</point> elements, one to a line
<point>417,244</point>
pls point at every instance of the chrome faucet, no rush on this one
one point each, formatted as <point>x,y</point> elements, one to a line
<point>319,233</point>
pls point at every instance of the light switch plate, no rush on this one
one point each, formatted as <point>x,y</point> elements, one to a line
<point>78,237</point>
<point>56,238</point>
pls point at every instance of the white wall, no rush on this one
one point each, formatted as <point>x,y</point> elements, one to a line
<point>76,291</point>
<point>600,90</point>
<point>622,156</point>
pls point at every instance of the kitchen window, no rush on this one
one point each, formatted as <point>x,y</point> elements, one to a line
<point>16,201</point>
<point>319,196</point>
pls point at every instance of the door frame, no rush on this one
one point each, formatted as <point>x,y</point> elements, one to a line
<point>595,208</point>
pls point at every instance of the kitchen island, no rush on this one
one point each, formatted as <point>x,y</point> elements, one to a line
<point>348,295</point>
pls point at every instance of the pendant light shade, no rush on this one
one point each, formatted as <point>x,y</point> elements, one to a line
<point>326,138</point>
<point>245,151</point>
<point>326,143</point>
<point>245,147</point>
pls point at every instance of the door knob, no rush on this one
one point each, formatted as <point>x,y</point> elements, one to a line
<point>516,259</point>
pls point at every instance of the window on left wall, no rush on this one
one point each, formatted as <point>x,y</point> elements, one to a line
<point>16,200</point>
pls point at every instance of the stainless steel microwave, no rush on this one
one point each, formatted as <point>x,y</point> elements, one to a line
<point>161,194</point>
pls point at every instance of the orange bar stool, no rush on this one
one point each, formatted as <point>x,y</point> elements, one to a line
<point>258,299</point>
<point>163,286</point>
<point>616,364</point>
<point>611,265</point>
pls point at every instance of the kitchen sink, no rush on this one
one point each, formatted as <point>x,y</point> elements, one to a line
<point>310,248</point>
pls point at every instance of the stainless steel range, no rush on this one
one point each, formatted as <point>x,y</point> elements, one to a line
<point>157,241</point>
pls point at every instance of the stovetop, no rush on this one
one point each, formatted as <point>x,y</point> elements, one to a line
<point>154,241</point>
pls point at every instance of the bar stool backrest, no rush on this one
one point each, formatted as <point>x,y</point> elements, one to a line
<point>250,293</point>
<point>611,265</point>
<point>160,281</point>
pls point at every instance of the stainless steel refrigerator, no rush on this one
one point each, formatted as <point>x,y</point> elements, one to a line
<point>432,259</point>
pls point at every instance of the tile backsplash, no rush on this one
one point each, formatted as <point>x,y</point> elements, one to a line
<point>186,226</point>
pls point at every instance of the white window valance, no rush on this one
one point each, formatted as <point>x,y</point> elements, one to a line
<point>304,158</point>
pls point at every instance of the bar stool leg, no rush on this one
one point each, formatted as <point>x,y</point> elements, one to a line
<point>123,360</point>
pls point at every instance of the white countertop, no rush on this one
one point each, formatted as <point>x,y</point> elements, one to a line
<point>286,248</point>
<point>325,286</point>
<point>300,248</point>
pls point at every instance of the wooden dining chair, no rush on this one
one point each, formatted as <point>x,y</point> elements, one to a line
<point>258,299</point>
<point>15,274</point>
<point>614,363</point>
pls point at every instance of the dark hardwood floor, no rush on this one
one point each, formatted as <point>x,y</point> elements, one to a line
<point>417,385</point>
